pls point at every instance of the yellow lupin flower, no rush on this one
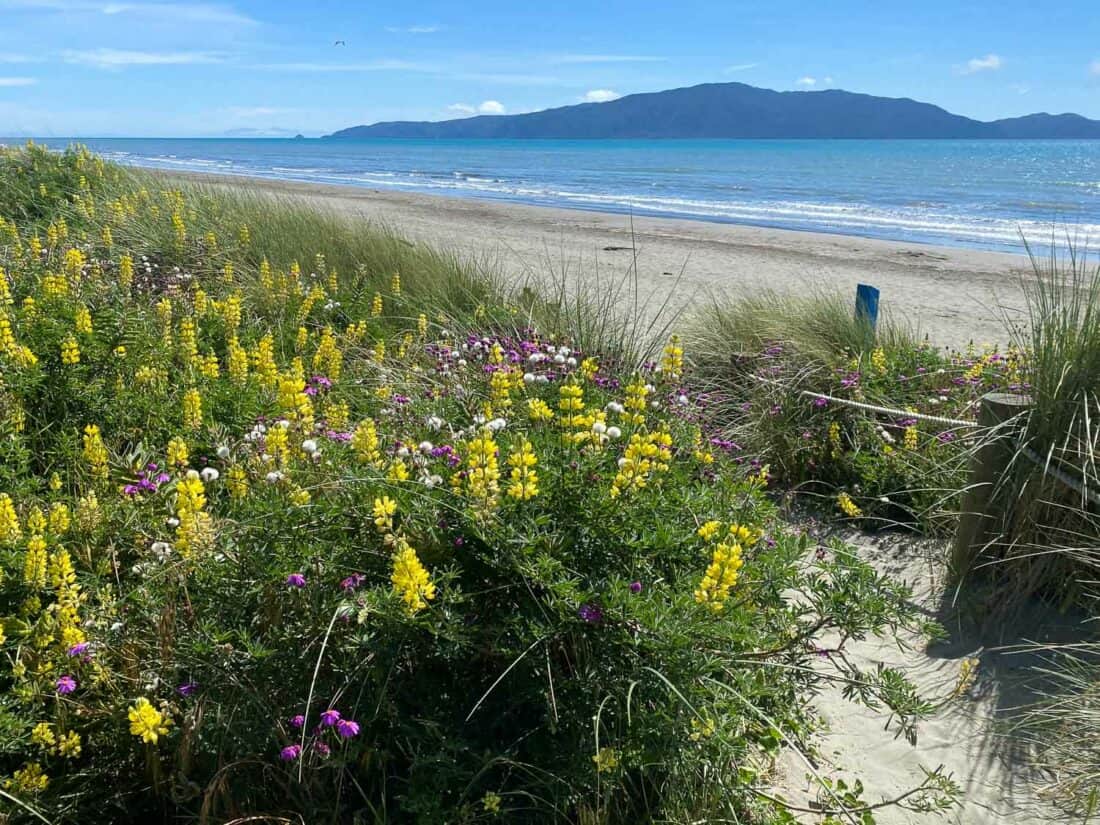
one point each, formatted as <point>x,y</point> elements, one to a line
<point>237,483</point>
<point>635,402</point>
<point>376,305</point>
<point>672,360</point>
<point>366,444</point>
<point>524,479</point>
<point>410,579</point>
<point>482,471</point>
<point>606,759</point>
<point>192,409</point>
<point>95,453</point>
<point>10,530</point>
<point>147,722</point>
<point>720,576</point>
<point>70,351</point>
<point>847,506</point>
<point>29,779</point>
<point>539,410</point>
<point>82,321</point>
<point>177,452</point>
<point>395,283</point>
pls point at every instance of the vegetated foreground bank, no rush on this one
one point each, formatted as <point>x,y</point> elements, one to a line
<point>297,519</point>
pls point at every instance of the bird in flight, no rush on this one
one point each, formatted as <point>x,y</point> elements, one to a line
<point>340,43</point>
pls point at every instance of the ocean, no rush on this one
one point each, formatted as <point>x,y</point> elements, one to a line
<point>973,193</point>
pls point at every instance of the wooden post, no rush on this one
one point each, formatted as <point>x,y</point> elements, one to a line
<point>999,417</point>
<point>867,305</point>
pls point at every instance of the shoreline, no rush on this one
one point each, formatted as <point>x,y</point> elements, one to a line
<point>952,294</point>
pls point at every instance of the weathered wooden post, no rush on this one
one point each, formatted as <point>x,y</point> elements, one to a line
<point>867,305</point>
<point>1000,419</point>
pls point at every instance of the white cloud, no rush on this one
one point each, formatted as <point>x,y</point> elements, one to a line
<point>605,58</point>
<point>806,81</point>
<point>739,67</point>
<point>600,96</point>
<point>118,58</point>
<point>1020,88</point>
<point>1094,68</point>
<point>413,29</point>
<point>486,107</point>
<point>828,81</point>
<point>989,63</point>
<point>166,12</point>
<point>8,82</point>
<point>16,58</point>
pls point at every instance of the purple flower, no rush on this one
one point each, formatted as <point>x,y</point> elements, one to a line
<point>290,753</point>
<point>297,721</point>
<point>946,436</point>
<point>66,684</point>
<point>347,728</point>
<point>821,402</point>
<point>322,748</point>
<point>459,541</point>
<point>187,689</point>
<point>330,717</point>
<point>78,649</point>
<point>635,587</point>
<point>296,580</point>
<point>591,613</point>
<point>352,581</point>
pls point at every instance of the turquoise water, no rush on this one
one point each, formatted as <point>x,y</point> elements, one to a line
<point>980,194</point>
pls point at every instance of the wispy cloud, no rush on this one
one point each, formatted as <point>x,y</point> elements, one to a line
<point>414,29</point>
<point>486,107</point>
<point>370,66</point>
<point>121,58</point>
<point>989,63</point>
<point>1094,68</point>
<point>600,96</point>
<point>1020,88</point>
<point>739,67</point>
<point>246,112</point>
<point>806,81</point>
<point>18,58</point>
<point>605,58</point>
<point>166,12</point>
<point>505,78</point>
<point>10,82</point>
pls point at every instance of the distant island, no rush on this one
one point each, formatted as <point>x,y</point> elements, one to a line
<point>736,110</point>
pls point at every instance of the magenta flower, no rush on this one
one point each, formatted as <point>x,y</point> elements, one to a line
<point>591,613</point>
<point>635,587</point>
<point>78,649</point>
<point>290,753</point>
<point>322,748</point>
<point>66,684</point>
<point>297,721</point>
<point>296,580</point>
<point>352,581</point>
<point>330,717</point>
<point>347,728</point>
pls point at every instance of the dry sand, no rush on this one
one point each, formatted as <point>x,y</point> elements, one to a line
<point>968,736</point>
<point>954,295</point>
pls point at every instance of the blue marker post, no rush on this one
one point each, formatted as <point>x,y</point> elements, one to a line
<point>867,305</point>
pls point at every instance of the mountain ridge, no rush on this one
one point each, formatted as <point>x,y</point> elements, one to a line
<point>737,110</point>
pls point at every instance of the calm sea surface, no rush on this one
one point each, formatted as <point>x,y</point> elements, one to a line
<point>971,193</point>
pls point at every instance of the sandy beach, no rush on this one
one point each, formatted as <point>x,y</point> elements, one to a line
<point>954,295</point>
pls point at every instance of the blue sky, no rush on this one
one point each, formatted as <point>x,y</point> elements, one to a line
<point>102,68</point>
